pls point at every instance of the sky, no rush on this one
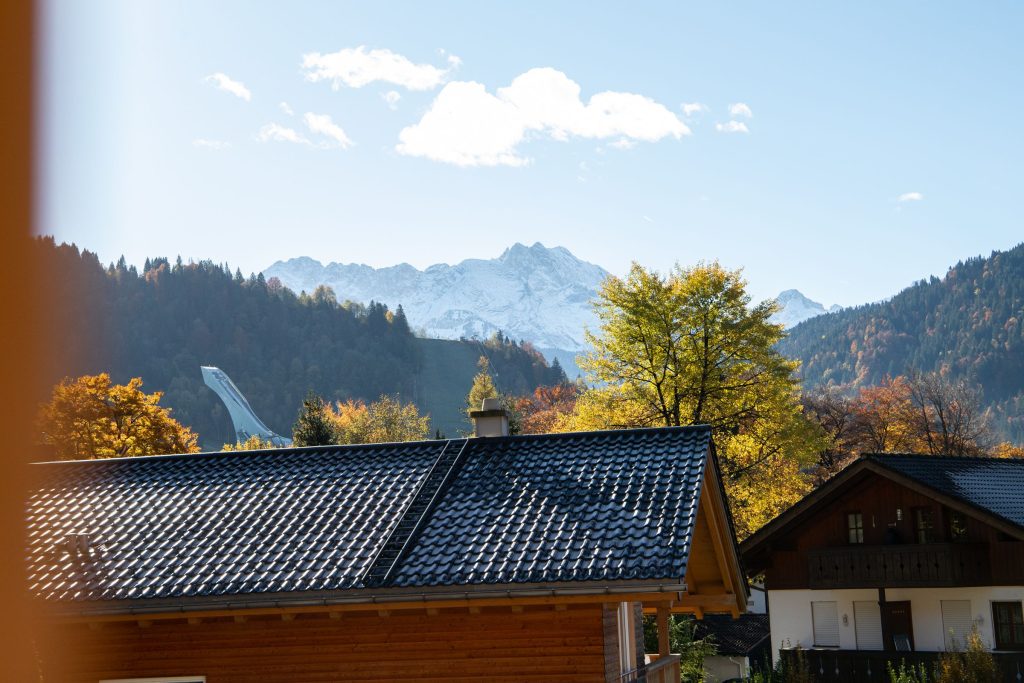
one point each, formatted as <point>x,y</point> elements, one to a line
<point>842,149</point>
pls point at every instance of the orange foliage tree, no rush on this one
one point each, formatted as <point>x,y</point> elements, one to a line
<point>541,412</point>
<point>90,417</point>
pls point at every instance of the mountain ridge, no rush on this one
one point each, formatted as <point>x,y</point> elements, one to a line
<point>967,325</point>
<point>537,293</point>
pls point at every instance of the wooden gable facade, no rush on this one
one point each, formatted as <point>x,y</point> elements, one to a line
<point>872,528</point>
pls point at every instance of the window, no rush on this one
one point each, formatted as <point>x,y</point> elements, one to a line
<point>855,527</point>
<point>923,525</point>
<point>957,526</point>
<point>1008,619</point>
<point>867,622</point>
<point>825,616</point>
<point>956,623</point>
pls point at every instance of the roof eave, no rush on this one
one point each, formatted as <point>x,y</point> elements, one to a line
<point>364,597</point>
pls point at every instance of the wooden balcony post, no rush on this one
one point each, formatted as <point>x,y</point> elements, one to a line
<point>887,643</point>
<point>663,641</point>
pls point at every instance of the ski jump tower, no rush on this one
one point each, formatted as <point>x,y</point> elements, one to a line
<point>243,418</point>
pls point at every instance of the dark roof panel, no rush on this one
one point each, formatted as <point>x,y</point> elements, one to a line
<point>742,636</point>
<point>992,484</point>
<point>552,508</point>
<point>612,505</point>
<point>276,520</point>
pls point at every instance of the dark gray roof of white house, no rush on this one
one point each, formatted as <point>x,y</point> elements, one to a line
<point>995,485</point>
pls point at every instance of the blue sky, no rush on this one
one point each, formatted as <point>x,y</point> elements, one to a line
<point>845,150</point>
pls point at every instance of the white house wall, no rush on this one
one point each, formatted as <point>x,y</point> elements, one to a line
<point>791,625</point>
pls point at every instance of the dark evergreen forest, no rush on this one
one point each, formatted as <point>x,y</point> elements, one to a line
<point>967,325</point>
<point>163,323</point>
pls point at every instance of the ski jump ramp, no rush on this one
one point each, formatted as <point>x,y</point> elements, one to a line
<point>245,421</point>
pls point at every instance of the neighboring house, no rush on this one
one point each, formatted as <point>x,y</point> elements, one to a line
<point>740,645</point>
<point>895,556</point>
<point>524,558</point>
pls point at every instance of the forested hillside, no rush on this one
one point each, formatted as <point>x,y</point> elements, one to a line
<point>967,325</point>
<point>164,323</point>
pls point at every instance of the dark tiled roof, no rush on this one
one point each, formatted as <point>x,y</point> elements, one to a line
<point>995,485</point>
<point>734,636</point>
<point>553,508</point>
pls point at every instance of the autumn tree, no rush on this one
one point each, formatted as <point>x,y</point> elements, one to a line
<point>923,413</point>
<point>949,419</point>
<point>885,417</point>
<point>691,348</point>
<point>313,425</point>
<point>253,443</point>
<point>834,412</point>
<point>1006,449</point>
<point>384,420</point>
<point>542,411</point>
<point>483,386</point>
<point>90,417</point>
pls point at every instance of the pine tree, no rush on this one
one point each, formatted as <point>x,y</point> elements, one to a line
<point>313,426</point>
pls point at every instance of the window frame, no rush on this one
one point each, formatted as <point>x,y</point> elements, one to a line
<point>854,529</point>
<point>157,679</point>
<point>954,517</point>
<point>924,534</point>
<point>1016,626</point>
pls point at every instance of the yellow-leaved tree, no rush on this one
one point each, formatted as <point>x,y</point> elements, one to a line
<point>253,443</point>
<point>90,417</point>
<point>690,348</point>
<point>384,420</point>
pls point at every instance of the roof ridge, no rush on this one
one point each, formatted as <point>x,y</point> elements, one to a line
<point>938,457</point>
<point>343,447</point>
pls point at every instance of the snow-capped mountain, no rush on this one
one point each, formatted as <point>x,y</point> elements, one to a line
<point>797,308</point>
<point>534,293</point>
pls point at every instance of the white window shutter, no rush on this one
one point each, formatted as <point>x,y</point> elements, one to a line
<point>956,623</point>
<point>826,624</point>
<point>867,621</point>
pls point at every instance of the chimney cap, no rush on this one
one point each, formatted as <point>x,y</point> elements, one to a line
<point>491,419</point>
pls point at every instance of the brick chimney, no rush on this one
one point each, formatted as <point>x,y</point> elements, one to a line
<point>491,419</point>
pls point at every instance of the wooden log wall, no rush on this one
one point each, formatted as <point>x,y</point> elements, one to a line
<point>500,645</point>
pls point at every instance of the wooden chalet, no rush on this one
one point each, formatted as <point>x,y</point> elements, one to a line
<point>523,558</point>
<point>898,557</point>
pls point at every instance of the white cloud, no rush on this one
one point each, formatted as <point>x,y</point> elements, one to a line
<point>468,126</point>
<point>740,109</point>
<point>284,106</point>
<point>356,67</point>
<point>210,144</point>
<point>691,108</point>
<point>273,132</point>
<point>623,143</point>
<point>732,127</point>
<point>223,82</point>
<point>392,97</point>
<point>321,124</point>
<point>910,197</point>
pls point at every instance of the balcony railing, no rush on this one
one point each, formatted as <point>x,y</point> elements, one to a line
<point>864,666</point>
<point>926,564</point>
<point>662,670</point>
